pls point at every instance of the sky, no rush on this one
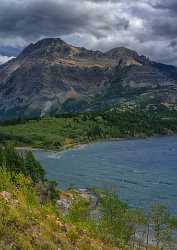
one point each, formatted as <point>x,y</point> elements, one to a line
<point>147,26</point>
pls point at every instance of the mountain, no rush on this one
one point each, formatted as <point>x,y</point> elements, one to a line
<point>52,77</point>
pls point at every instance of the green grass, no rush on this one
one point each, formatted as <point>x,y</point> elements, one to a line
<point>31,220</point>
<point>65,132</point>
<point>26,224</point>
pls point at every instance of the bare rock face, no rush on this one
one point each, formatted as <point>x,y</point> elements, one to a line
<point>52,77</point>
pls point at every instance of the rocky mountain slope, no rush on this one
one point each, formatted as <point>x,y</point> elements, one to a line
<point>53,77</point>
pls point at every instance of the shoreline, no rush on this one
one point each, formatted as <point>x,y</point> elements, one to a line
<point>80,145</point>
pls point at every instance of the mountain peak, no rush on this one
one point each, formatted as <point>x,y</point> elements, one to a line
<point>121,51</point>
<point>50,42</point>
<point>55,48</point>
<point>46,44</point>
<point>52,77</point>
<point>127,56</point>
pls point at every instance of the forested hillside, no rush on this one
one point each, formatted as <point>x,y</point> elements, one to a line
<point>68,130</point>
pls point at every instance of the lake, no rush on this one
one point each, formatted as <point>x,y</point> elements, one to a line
<point>143,170</point>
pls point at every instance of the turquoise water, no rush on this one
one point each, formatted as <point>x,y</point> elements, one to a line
<point>144,170</point>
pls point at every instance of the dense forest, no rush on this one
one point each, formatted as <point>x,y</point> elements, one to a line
<point>31,215</point>
<point>69,130</point>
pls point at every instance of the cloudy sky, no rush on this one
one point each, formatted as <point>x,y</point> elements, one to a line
<point>147,26</point>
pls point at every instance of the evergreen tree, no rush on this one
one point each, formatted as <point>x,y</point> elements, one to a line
<point>33,168</point>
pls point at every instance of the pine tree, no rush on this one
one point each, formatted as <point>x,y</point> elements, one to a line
<point>33,168</point>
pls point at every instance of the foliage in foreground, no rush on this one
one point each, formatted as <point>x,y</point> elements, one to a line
<point>21,163</point>
<point>26,224</point>
<point>30,219</point>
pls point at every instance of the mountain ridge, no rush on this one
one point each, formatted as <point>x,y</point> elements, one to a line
<point>51,77</point>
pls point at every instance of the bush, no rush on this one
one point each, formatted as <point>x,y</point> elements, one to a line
<point>25,163</point>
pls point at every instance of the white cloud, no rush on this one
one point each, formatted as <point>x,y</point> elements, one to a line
<point>4,59</point>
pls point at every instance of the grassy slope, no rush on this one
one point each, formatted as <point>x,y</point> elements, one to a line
<point>51,133</point>
<point>30,218</point>
<point>25,224</point>
<point>65,132</point>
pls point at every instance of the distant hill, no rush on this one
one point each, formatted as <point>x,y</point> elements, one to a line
<point>52,77</point>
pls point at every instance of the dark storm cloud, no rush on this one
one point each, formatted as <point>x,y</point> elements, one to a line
<point>166,4</point>
<point>34,19</point>
<point>31,19</point>
<point>173,44</point>
<point>147,26</point>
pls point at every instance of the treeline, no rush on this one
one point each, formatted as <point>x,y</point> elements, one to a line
<point>69,130</point>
